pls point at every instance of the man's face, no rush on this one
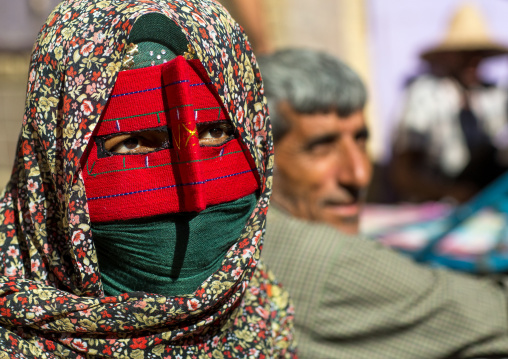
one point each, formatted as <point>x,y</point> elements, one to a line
<point>322,168</point>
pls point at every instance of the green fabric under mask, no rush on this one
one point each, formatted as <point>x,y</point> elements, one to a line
<point>158,41</point>
<point>168,255</point>
<point>151,54</point>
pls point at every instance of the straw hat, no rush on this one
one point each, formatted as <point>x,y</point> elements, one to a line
<point>468,31</point>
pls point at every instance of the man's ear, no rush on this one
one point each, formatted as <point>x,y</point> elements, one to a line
<point>281,124</point>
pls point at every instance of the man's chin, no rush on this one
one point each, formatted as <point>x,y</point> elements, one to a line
<point>344,219</point>
<point>346,226</point>
<point>347,212</point>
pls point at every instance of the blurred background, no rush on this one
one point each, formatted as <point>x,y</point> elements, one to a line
<point>381,39</point>
<point>20,22</point>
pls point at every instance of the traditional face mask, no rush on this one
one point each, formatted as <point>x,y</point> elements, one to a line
<point>194,161</point>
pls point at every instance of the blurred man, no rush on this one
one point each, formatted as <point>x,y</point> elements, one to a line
<point>353,297</point>
<point>451,141</point>
<point>322,167</point>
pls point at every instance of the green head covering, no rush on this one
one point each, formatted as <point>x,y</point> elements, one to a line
<point>154,40</point>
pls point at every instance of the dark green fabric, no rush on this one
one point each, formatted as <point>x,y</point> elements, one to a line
<point>155,27</point>
<point>168,255</point>
<point>151,54</point>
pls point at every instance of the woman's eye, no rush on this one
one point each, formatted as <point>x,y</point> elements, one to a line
<point>130,143</point>
<point>214,134</point>
<point>138,142</point>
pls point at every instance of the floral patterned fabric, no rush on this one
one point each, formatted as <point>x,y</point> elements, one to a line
<point>51,297</point>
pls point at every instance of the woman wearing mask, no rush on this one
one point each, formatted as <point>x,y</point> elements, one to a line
<point>132,224</point>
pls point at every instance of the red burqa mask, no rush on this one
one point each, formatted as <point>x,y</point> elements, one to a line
<point>182,175</point>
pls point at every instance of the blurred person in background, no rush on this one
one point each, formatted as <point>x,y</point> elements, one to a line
<point>452,137</point>
<point>251,14</point>
<point>353,297</point>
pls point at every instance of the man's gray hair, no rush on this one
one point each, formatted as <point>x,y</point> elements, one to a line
<point>310,82</point>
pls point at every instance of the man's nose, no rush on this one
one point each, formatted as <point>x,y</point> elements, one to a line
<point>354,165</point>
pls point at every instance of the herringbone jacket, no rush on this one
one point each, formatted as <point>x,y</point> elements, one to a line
<point>356,299</point>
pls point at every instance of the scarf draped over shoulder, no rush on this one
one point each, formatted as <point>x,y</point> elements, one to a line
<point>51,297</point>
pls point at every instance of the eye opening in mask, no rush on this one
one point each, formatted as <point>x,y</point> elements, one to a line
<point>211,134</point>
<point>215,133</point>
<point>134,143</point>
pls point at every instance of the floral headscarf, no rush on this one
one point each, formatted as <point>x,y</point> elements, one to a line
<point>51,296</point>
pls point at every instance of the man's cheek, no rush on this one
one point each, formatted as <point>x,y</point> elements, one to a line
<point>318,170</point>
